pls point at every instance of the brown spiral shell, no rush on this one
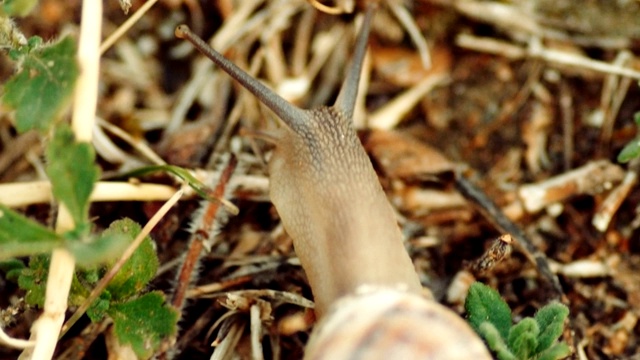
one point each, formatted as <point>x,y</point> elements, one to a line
<point>384,323</point>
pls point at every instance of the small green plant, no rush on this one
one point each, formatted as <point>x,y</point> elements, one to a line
<point>632,149</point>
<point>39,93</point>
<point>141,319</point>
<point>531,338</point>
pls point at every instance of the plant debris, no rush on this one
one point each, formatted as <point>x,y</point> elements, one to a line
<point>531,101</point>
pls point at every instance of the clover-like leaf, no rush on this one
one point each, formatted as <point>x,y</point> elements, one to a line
<point>136,273</point>
<point>33,280</point>
<point>483,304</point>
<point>44,85</point>
<point>98,309</point>
<point>144,322</point>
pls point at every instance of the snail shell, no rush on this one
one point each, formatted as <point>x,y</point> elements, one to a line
<point>385,323</point>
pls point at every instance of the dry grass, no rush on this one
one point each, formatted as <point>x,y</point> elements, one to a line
<point>534,103</point>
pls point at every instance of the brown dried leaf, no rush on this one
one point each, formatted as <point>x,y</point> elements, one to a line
<point>403,67</point>
<point>401,156</point>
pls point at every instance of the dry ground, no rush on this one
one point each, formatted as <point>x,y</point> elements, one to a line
<point>513,97</point>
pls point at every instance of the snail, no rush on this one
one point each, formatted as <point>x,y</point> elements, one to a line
<point>345,233</point>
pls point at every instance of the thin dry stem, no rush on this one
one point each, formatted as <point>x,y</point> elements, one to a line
<point>406,19</point>
<point>86,93</point>
<point>137,144</point>
<point>390,115</point>
<point>537,50</point>
<point>39,192</point>
<point>614,92</point>
<point>341,7</point>
<point>256,333</point>
<point>62,266</point>
<point>225,347</point>
<point>608,208</point>
<point>7,340</point>
<point>233,28</point>
<point>122,29</point>
<point>45,330</point>
<point>591,178</point>
<point>206,224</point>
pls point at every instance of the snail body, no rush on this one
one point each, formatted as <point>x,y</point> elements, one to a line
<point>345,232</point>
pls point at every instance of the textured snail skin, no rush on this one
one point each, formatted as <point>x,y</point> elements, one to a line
<point>385,323</point>
<point>346,234</point>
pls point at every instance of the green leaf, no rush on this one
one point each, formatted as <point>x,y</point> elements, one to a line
<point>136,273</point>
<point>485,304</point>
<point>550,320</point>
<point>19,8</point>
<point>144,322</point>
<point>89,276</point>
<point>79,292</point>
<point>523,338</point>
<point>495,341</point>
<point>556,352</point>
<point>33,280</point>
<point>99,250</point>
<point>630,151</point>
<point>192,181</point>
<point>99,307</point>
<point>40,91</point>
<point>20,236</point>
<point>12,268</point>
<point>72,173</point>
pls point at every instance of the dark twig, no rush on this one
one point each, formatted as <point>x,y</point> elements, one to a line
<point>492,212</point>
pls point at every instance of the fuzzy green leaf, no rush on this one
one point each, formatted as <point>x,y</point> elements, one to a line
<point>12,268</point>
<point>523,338</point>
<point>555,352</point>
<point>44,85</point>
<point>495,341</point>
<point>20,236</point>
<point>144,322</point>
<point>551,323</point>
<point>73,173</point>
<point>99,308</point>
<point>33,279</point>
<point>100,250</point>
<point>485,304</point>
<point>79,290</point>
<point>139,269</point>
